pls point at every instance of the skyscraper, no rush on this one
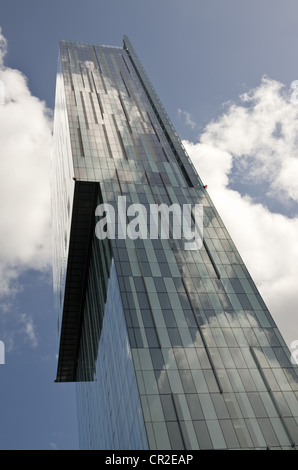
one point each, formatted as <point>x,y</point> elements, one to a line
<point>170,344</point>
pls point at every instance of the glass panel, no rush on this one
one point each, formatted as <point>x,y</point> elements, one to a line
<point>203,435</point>
<point>216,435</point>
<point>175,435</point>
<point>194,406</point>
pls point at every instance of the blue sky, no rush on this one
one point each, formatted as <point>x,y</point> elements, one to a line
<point>223,70</point>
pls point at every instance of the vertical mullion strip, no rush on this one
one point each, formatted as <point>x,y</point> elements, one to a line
<point>167,158</point>
<point>100,72</point>
<point>93,55</point>
<point>122,144</point>
<point>124,83</point>
<point>104,64</point>
<point>149,143</point>
<point>121,75</point>
<point>107,140</point>
<point>166,189</point>
<point>127,90</point>
<point>119,138</point>
<point>93,108</point>
<point>97,96</point>
<point>84,110</point>
<point>89,80</point>
<point>125,62</point>
<point>136,101</point>
<point>81,142</point>
<point>135,147</point>
<point>207,250</point>
<point>210,257</point>
<point>82,76</point>
<point>178,421</point>
<point>96,59</point>
<point>125,113</point>
<point>100,104</point>
<point>103,83</point>
<point>70,76</point>
<point>118,179</point>
<point>74,56</point>
<point>123,107</point>
<point>137,104</point>
<point>69,55</point>
<point>203,338</point>
<point>153,127</point>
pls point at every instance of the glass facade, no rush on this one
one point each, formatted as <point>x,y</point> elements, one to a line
<point>170,348</point>
<point>114,381</point>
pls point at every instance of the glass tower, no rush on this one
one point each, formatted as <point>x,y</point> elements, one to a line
<point>170,348</point>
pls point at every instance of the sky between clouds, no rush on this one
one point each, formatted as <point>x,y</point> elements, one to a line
<point>253,142</point>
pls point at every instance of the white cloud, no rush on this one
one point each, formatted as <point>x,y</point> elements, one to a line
<point>259,138</point>
<point>29,330</point>
<point>25,142</point>
<point>23,332</point>
<point>262,137</point>
<point>187,117</point>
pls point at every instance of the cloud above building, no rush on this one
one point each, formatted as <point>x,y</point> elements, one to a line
<point>255,142</point>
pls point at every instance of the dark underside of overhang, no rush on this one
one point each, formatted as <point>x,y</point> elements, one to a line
<point>82,231</point>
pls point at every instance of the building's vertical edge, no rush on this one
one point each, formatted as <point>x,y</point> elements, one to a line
<point>62,188</point>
